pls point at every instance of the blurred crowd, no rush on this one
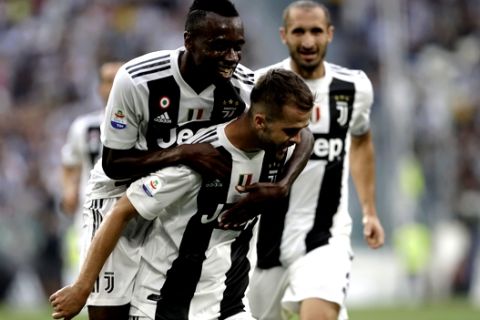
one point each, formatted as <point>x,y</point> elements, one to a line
<point>426,116</point>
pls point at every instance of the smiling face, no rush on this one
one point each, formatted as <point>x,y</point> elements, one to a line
<point>216,45</point>
<point>307,33</point>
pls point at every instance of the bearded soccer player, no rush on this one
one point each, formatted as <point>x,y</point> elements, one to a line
<point>304,250</point>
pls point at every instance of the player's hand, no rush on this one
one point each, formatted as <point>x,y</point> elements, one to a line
<point>205,159</point>
<point>67,302</point>
<point>259,195</point>
<point>373,232</point>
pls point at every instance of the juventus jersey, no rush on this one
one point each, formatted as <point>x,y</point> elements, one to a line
<point>83,146</point>
<point>318,204</point>
<point>192,269</point>
<point>152,107</point>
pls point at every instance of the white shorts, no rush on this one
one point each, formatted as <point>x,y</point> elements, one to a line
<point>114,286</point>
<point>323,273</point>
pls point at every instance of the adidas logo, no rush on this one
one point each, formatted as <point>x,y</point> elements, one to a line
<point>214,184</point>
<point>163,118</point>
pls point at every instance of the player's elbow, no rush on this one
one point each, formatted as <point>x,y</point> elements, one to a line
<point>110,166</point>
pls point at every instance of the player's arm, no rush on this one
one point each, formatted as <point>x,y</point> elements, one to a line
<point>262,193</point>
<point>297,162</point>
<point>69,301</point>
<point>362,168</point>
<point>70,188</point>
<point>201,157</point>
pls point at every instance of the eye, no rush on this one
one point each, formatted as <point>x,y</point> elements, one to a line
<point>291,132</point>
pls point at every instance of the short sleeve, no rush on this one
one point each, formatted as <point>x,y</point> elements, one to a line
<point>155,192</point>
<point>120,127</point>
<point>362,105</point>
<point>71,153</point>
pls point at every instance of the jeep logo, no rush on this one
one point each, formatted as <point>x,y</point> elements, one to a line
<point>177,138</point>
<point>328,149</point>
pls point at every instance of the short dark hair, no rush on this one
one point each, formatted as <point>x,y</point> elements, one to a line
<point>199,9</point>
<point>306,4</point>
<point>277,88</point>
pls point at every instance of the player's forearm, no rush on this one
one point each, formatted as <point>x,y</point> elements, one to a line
<point>299,159</point>
<point>126,164</point>
<point>362,167</point>
<point>70,188</point>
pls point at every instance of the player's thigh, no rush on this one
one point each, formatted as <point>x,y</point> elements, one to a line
<point>267,287</point>
<point>322,274</point>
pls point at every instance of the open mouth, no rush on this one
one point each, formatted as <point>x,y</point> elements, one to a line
<point>308,56</point>
<point>226,72</point>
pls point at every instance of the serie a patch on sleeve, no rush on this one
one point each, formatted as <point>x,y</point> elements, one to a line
<point>118,120</point>
<point>151,185</point>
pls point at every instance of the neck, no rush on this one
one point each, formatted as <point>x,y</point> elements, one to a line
<point>242,135</point>
<point>190,73</point>
<point>308,74</point>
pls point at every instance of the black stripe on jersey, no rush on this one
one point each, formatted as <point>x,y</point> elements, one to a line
<point>208,135</point>
<point>246,81</point>
<point>164,88</point>
<point>173,303</point>
<point>330,190</point>
<point>245,77</point>
<point>146,68</point>
<point>94,144</point>
<point>151,71</point>
<point>142,63</point>
<point>237,277</point>
<point>272,221</point>
<point>96,214</point>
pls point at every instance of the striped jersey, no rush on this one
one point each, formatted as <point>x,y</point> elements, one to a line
<point>152,107</point>
<point>192,269</point>
<point>318,203</point>
<point>83,146</point>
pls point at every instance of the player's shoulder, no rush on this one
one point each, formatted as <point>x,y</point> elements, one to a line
<point>153,65</point>
<point>278,65</point>
<point>347,74</point>
<point>243,77</point>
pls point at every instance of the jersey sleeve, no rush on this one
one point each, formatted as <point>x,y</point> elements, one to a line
<point>71,153</point>
<point>362,105</point>
<point>153,193</point>
<point>119,129</point>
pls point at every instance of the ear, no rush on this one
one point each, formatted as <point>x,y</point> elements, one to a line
<point>187,40</point>
<point>330,31</point>
<point>259,121</point>
<point>283,34</point>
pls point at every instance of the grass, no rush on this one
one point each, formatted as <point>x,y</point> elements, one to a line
<point>451,310</point>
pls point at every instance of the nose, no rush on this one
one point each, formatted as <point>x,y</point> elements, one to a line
<point>308,41</point>
<point>296,139</point>
<point>232,55</point>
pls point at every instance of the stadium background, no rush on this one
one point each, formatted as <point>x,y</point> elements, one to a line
<point>423,57</point>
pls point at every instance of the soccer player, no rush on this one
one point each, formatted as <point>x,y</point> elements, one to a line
<point>191,267</point>
<point>157,102</point>
<point>79,153</point>
<point>304,253</point>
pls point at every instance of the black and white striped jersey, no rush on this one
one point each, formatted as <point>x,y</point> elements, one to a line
<point>318,204</point>
<point>152,107</point>
<point>192,269</point>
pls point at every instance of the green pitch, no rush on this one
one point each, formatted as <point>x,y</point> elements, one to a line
<point>451,310</point>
